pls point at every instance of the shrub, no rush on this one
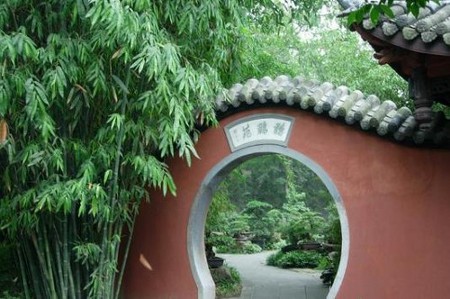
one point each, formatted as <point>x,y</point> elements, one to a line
<point>305,226</point>
<point>295,259</point>
<point>251,248</point>
<point>222,243</point>
<point>272,260</point>
<point>234,248</point>
<point>325,263</point>
<point>278,245</point>
<point>227,286</point>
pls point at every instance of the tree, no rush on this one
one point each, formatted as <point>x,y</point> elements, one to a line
<point>258,221</point>
<point>327,52</point>
<point>93,96</point>
<point>261,178</point>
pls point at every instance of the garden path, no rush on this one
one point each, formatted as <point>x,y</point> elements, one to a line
<point>266,282</point>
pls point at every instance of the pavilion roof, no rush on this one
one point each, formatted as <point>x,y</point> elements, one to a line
<point>416,47</point>
<point>427,33</point>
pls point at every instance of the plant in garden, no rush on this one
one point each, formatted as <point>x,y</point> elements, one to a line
<point>305,226</point>
<point>229,285</point>
<point>219,228</point>
<point>260,178</point>
<point>332,230</point>
<point>333,235</point>
<point>295,259</point>
<point>300,217</point>
<point>219,210</point>
<point>251,248</point>
<point>301,223</point>
<point>256,211</point>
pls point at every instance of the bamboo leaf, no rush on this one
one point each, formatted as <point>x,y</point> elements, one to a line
<point>107,176</point>
<point>4,100</point>
<point>121,84</point>
<point>387,10</point>
<point>116,121</point>
<point>374,14</point>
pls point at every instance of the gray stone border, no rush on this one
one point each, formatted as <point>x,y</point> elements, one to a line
<point>199,210</point>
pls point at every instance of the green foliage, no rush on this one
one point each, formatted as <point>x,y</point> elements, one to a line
<point>383,7</point>
<point>325,263</point>
<point>301,217</point>
<point>219,210</point>
<point>261,227</point>
<point>257,208</point>
<point>307,226</point>
<point>261,178</point>
<point>227,286</point>
<point>295,259</point>
<point>251,248</point>
<point>223,222</point>
<point>95,95</point>
<point>323,53</point>
<point>302,224</point>
<point>333,234</point>
<point>223,242</point>
<point>233,247</point>
<point>8,295</point>
<point>278,245</point>
<point>265,179</point>
<point>10,285</point>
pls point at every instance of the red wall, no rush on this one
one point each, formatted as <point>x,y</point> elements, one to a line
<point>397,201</point>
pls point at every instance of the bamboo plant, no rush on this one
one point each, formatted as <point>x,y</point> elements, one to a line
<point>94,94</point>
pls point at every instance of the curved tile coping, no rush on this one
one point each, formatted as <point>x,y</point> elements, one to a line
<point>348,106</point>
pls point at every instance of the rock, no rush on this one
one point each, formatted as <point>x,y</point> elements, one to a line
<point>219,274</point>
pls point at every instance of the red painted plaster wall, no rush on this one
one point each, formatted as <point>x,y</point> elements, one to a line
<point>397,201</point>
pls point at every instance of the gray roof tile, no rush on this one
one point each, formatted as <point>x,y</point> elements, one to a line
<point>350,107</point>
<point>430,26</point>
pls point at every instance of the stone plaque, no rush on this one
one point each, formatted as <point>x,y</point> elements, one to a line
<point>259,129</point>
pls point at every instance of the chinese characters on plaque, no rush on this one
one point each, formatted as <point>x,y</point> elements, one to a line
<point>261,129</point>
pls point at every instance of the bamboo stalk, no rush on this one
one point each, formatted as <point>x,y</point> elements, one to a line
<point>125,256</point>
<point>59,268</point>
<point>42,264</point>
<point>49,263</point>
<point>66,237</point>
<point>39,289</point>
<point>78,281</point>
<point>66,262</point>
<point>23,272</point>
<point>113,194</point>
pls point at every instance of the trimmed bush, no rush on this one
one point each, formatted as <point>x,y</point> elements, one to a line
<point>246,248</point>
<point>295,259</point>
<point>251,248</point>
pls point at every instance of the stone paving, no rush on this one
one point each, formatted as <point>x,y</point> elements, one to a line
<point>265,282</point>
